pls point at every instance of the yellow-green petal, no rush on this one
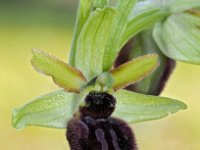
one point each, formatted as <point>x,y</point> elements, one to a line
<point>64,75</point>
<point>134,71</point>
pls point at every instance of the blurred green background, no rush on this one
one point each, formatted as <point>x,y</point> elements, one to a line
<point>48,25</point>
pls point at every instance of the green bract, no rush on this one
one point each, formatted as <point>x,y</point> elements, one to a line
<point>141,22</point>
<point>179,37</point>
<point>123,9</point>
<point>100,33</point>
<point>177,32</point>
<point>82,16</point>
<point>92,42</point>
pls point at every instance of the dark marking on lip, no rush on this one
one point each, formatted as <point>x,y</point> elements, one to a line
<point>90,120</point>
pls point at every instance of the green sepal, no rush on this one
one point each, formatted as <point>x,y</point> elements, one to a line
<point>134,107</point>
<point>50,110</point>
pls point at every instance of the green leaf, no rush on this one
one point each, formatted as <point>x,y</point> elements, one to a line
<point>124,9</point>
<point>82,16</point>
<point>50,110</point>
<point>177,6</point>
<point>134,70</point>
<point>179,37</point>
<point>64,75</point>
<point>134,107</point>
<point>92,42</point>
<point>141,22</point>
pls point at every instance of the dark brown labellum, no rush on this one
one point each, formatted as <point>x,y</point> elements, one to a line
<point>94,129</point>
<point>100,134</point>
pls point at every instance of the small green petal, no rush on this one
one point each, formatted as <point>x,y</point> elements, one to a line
<point>64,75</point>
<point>50,110</point>
<point>134,70</point>
<point>134,107</point>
